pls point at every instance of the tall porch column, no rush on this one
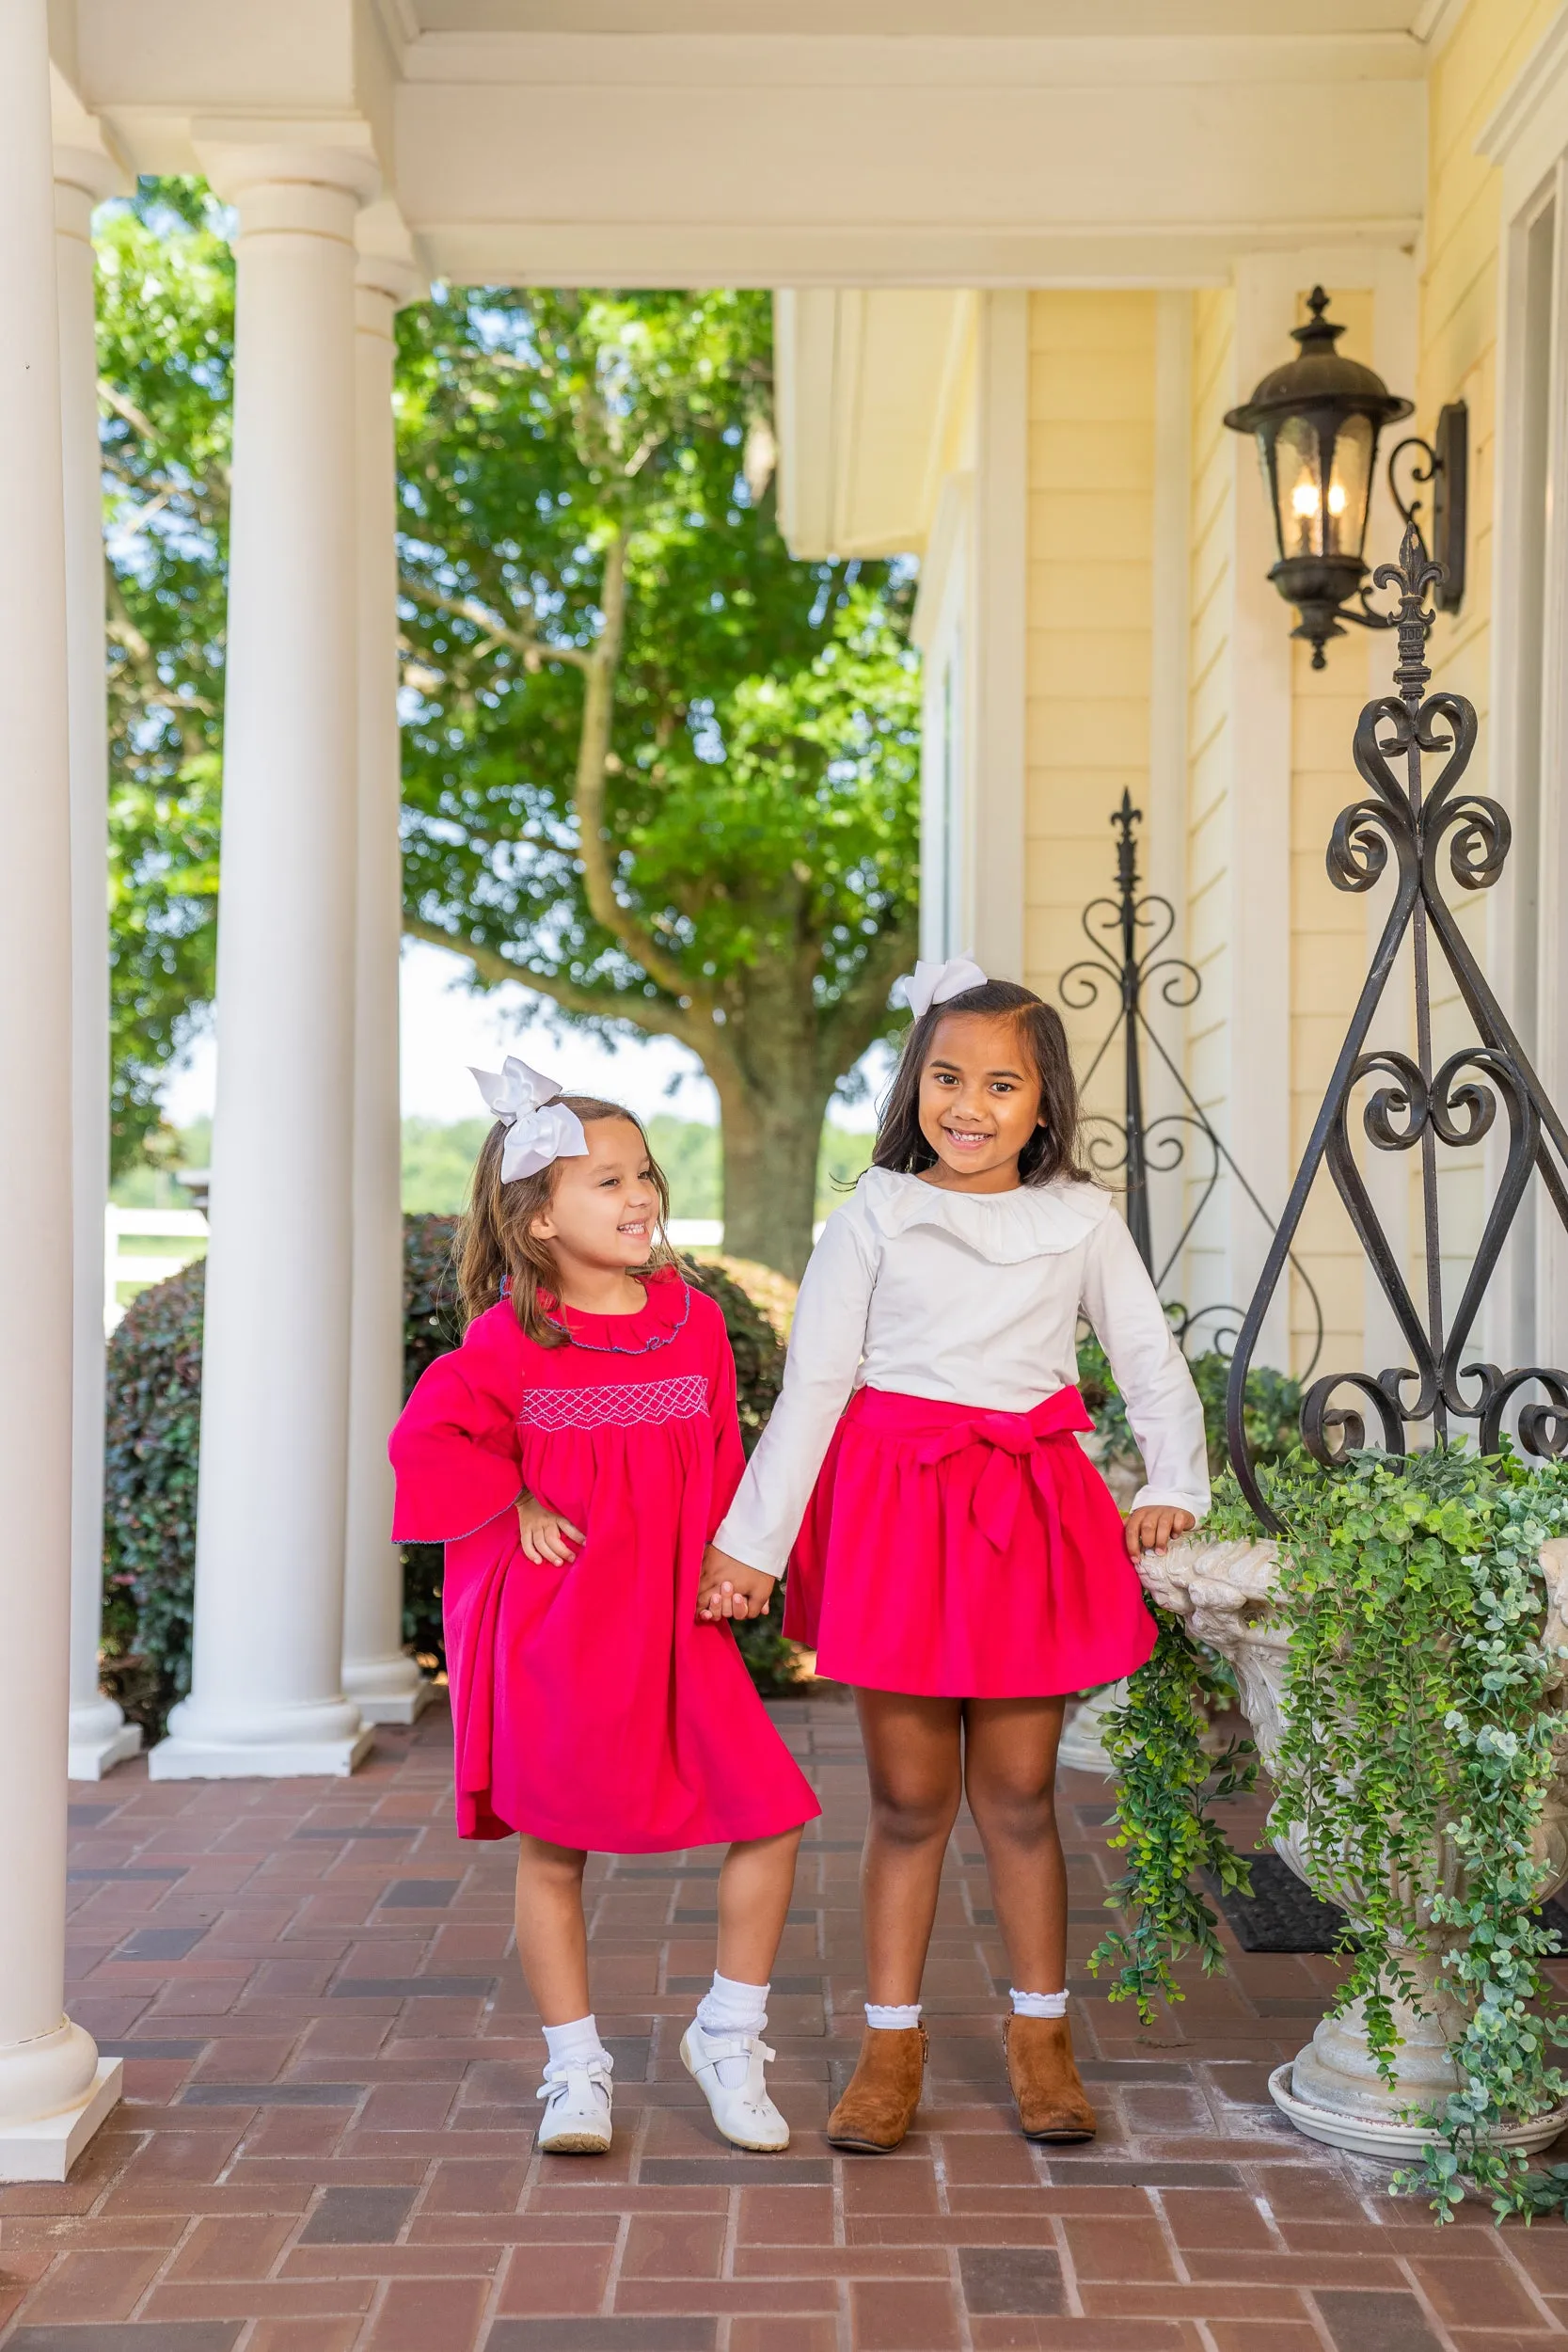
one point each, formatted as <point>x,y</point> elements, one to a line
<point>100,1735</point>
<point>267,1694</point>
<point>383,1681</point>
<point>53,2089</point>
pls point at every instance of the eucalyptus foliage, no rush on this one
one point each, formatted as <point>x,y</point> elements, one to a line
<point>1419,1703</point>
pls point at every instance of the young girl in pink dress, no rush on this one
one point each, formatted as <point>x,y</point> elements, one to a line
<point>956,1556</point>
<point>574,1455</point>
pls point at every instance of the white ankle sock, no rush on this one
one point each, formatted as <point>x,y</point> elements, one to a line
<point>578,2040</point>
<point>1037,2004</point>
<point>889,2018</point>
<point>730,2006</point>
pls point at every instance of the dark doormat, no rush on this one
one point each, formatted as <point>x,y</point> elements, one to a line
<point>1283,1916</point>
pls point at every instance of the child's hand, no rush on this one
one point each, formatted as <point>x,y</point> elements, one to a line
<point>730,1589</point>
<point>1150,1527</point>
<point>547,1539</point>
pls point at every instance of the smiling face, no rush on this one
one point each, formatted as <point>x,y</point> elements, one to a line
<point>979,1101</point>
<point>603,1213</point>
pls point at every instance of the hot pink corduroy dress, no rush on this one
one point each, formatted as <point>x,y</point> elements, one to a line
<point>589,1705</point>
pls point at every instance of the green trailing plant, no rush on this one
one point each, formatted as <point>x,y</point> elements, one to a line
<point>153,1443</point>
<point>1419,1703</point>
<point>1165,1783</point>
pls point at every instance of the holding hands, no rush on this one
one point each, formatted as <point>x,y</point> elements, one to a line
<point>1151,1526</point>
<point>547,1539</point>
<point>730,1589</point>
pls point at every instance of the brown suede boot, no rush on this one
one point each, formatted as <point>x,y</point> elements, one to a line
<point>878,2104</point>
<point>1052,2102</point>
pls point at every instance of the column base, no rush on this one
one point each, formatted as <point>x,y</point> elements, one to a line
<point>46,2148</point>
<point>276,1742</point>
<point>388,1689</point>
<point>177,1759</point>
<point>99,1738</point>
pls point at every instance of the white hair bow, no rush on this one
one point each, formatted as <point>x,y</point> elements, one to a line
<point>541,1128</point>
<point>931,984</point>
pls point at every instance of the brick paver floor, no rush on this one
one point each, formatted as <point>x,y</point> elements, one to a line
<point>326,2144</point>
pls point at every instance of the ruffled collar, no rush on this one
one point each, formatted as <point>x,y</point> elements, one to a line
<point>1004,1228</point>
<point>660,1318</point>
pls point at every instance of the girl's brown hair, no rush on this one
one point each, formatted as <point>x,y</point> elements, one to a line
<point>495,1253</point>
<point>1052,1152</point>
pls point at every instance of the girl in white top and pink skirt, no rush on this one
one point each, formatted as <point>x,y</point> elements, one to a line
<point>953,1553</point>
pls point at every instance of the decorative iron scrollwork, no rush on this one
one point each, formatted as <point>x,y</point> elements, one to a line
<point>1128,935</point>
<point>1414,1104</point>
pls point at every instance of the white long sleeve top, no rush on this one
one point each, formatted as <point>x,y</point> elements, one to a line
<point>972,1298</point>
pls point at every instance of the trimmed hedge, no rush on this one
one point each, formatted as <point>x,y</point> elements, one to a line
<point>153,1444</point>
<point>154,1413</point>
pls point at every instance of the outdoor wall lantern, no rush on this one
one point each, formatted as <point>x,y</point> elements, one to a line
<point>1317,421</point>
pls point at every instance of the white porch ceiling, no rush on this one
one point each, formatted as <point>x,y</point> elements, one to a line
<point>810,142</point>
<point>974,19</point>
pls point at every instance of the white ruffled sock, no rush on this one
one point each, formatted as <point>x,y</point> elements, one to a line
<point>885,2017</point>
<point>579,2039</point>
<point>730,2006</point>
<point>1037,2004</point>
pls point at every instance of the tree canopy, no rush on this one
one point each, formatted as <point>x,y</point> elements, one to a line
<point>655,768</point>
<point>653,765</point>
<point>165,310</point>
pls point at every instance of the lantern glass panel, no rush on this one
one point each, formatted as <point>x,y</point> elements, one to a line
<point>1349,486</point>
<point>1299,487</point>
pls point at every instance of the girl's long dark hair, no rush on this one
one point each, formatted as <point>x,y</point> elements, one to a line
<point>494,1244</point>
<point>1052,1152</point>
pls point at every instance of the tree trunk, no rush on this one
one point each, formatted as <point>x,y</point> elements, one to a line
<point>771,1140</point>
<point>772,1094</point>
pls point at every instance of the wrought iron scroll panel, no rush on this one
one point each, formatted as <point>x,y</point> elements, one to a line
<point>1412,1104</point>
<point>1129,935</point>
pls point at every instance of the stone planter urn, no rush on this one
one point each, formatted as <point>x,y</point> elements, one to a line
<point>1332,2090</point>
<point>1083,1748</point>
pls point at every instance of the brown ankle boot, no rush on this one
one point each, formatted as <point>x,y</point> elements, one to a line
<point>1052,2102</point>
<point>879,2105</point>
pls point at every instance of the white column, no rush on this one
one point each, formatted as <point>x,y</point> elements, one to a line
<point>995,781</point>
<point>100,1735</point>
<point>267,1694</point>
<point>53,2089</point>
<point>378,1676</point>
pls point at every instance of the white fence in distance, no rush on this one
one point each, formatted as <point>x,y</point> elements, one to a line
<point>128,1269</point>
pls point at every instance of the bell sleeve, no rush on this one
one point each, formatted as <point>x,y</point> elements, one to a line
<point>826,1344</point>
<point>1162,1407</point>
<point>455,1452</point>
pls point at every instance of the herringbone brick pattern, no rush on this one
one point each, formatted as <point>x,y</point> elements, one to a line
<point>326,2145</point>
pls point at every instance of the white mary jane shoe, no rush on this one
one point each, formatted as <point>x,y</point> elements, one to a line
<point>576,2097</point>
<point>746,2115</point>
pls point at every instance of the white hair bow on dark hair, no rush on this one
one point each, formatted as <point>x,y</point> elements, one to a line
<point>931,984</point>
<point>542,1128</point>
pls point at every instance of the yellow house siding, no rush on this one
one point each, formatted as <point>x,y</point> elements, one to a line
<point>1328,932</point>
<point>1090,525</point>
<point>1458,332</point>
<point>1209,755</point>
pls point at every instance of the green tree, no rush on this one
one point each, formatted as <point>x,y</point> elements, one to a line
<point>653,766</point>
<point>165,306</point>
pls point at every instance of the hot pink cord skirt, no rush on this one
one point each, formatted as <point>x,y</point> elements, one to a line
<point>956,1553</point>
